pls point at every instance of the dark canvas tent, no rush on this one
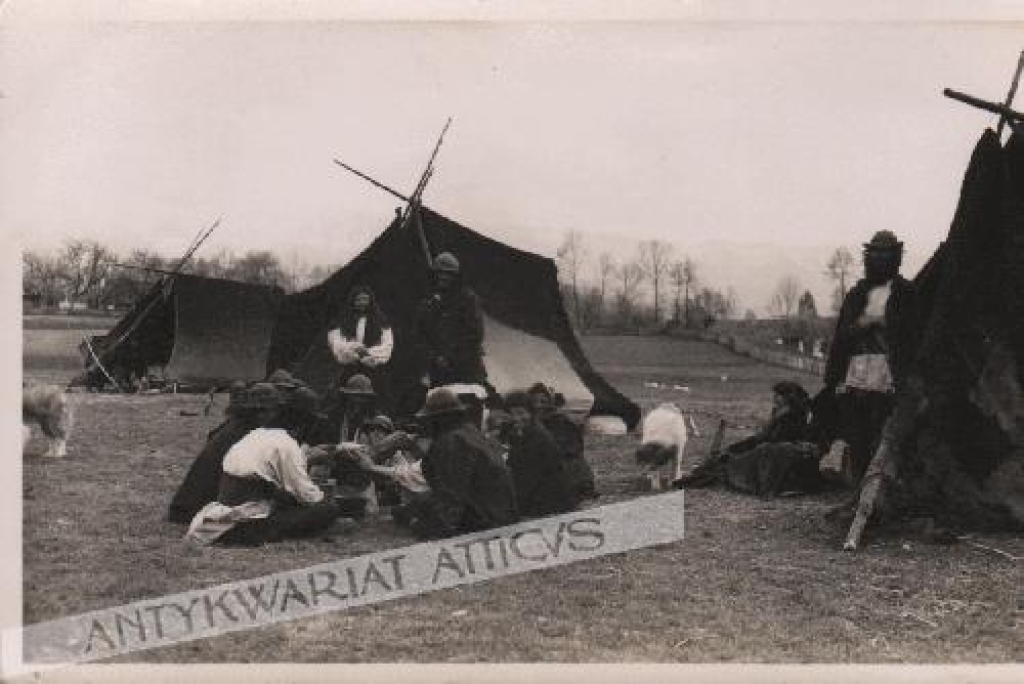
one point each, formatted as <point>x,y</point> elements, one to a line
<point>527,336</point>
<point>965,459</point>
<point>203,331</point>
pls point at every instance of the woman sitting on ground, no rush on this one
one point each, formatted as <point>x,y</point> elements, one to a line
<point>778,459</point>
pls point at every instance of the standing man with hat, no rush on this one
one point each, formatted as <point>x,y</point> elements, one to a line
<point>871,358</point>
<point>450,327</point>
<point>470,487</point>
<point>265,492</point>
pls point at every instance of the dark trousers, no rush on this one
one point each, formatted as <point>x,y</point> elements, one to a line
<point>862,416</point>
<point>291,522</point>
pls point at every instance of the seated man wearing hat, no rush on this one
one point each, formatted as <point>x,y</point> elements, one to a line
<point>357,406</point>
<point>470,487</point>
<point>265,492</point>
<point>200,484</point>
<point>395,459</point>
<point>450,330</point>
<point>871,357</point>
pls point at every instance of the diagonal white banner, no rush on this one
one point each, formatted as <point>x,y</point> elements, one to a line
<point>373,578</point>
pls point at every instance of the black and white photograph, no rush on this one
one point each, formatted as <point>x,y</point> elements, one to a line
<point>506,334</point>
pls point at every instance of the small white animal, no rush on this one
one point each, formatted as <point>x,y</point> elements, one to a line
<point>48,407</point>
<point>663,440</point>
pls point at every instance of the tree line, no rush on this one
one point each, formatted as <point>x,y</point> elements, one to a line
<point>89,273</point>
<point>612,296</point>
<point>609,291</point>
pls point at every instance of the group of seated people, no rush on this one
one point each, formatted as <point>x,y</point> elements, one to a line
<point>281,466</point>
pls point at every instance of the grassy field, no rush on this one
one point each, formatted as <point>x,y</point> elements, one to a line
<point>755,580</point>
<point>50,344</point>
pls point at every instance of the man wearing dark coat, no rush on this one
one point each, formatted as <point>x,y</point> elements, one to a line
<point>470,487</point>
<point>539,469</point>
<point>451,328</point>
<point>871,357</point>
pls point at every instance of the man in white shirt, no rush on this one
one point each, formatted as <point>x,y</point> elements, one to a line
<point>361,339</point>
<point>266,493</point>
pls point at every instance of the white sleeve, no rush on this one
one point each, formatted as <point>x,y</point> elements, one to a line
<point>341,347</point>
<point>295,478</point>
<point>381,353</point>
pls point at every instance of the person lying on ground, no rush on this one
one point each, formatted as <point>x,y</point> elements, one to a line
<point>265,492</point>
<point>538,466</point>
<point>470,487</point>
<point>778,459</point>
<point>568,434</point>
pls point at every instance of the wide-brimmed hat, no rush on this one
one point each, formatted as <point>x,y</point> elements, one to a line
<point>261,395</point>
<point>359,385</point>
<point>445,262</point>
<point>440,402</point>
<point>884,241</point>
<point>284,380</point>
<point>380,422</point>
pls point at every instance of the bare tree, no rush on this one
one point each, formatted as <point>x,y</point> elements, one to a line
<point>84,266</point>
<point>605,272</point>
<point>654,260</point>
<point>571,256</point>
<point>806,308</point>
<point>683,275</point>
<point>840,269</point>
<point>732,303</point>
<point>214,266</point>
<point>41,278</point>
<point>787,292</point>
<point>630,275</point>
<point>259,268</point>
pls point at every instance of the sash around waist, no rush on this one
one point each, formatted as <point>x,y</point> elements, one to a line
<point>235,491</point>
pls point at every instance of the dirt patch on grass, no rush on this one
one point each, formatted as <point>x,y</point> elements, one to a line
<point>754,580</point>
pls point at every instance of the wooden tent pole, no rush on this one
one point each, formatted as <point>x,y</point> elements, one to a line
<point>1012,93</point>
<point>415,201</point>
<point>372,181</point>
<point>994,107</point>
<point>92,353</point>
<point>177,269</point>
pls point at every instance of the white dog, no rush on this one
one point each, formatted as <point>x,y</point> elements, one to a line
<point>48,407</point>
<point>663,440</point>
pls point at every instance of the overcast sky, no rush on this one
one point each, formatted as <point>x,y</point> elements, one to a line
<point>785,133</point>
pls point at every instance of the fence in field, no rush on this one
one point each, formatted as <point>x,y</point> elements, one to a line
<point>807,364</point>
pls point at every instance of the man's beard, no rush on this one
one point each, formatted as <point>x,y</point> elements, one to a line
<point>881,268</point>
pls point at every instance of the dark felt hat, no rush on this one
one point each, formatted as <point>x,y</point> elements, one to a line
<point>884,240</point>
<point>440,402</point>
<point>261,395</point>
<point>358,384</point>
